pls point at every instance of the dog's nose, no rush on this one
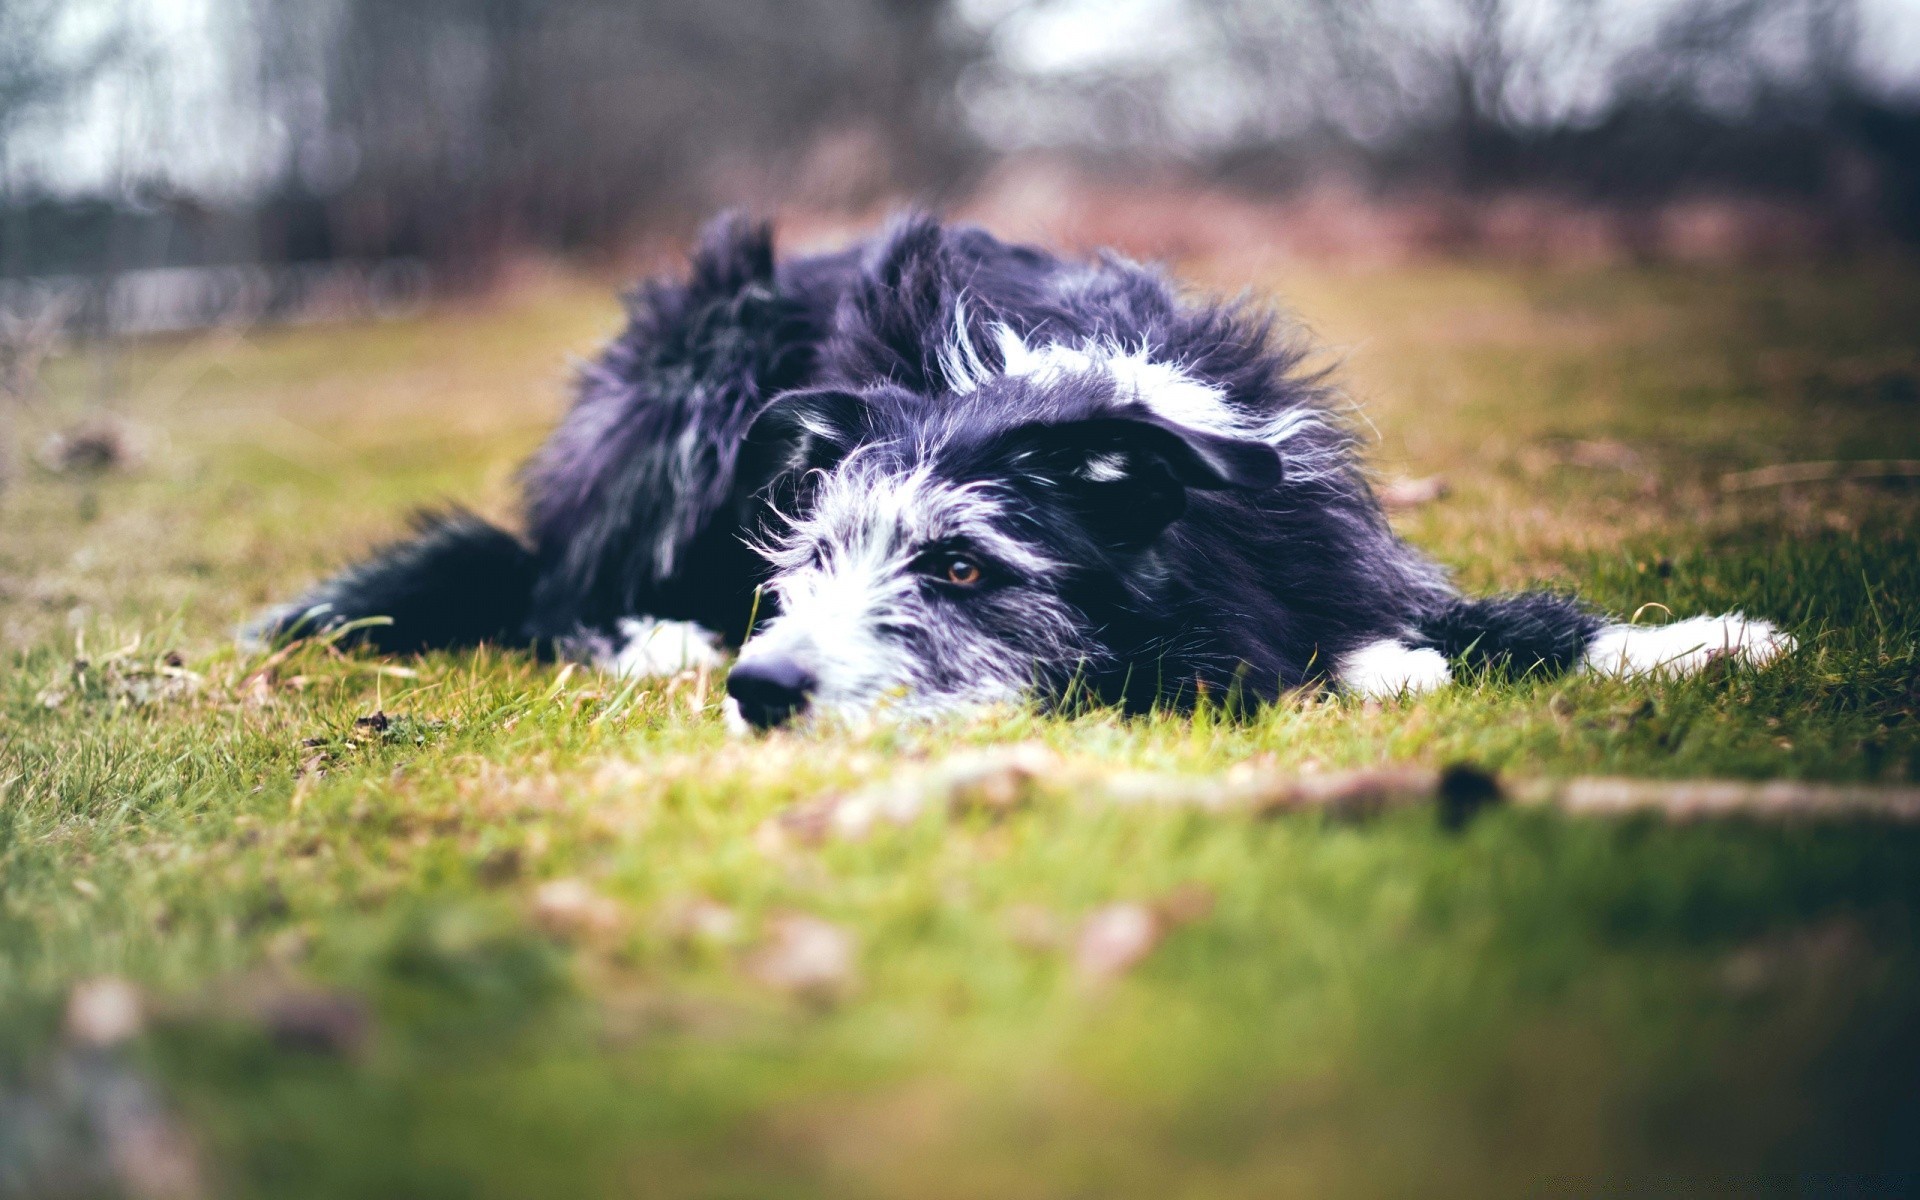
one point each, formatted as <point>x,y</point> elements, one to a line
<point>770,691</point>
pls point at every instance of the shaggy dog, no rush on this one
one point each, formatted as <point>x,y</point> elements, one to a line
<point>933,471</point>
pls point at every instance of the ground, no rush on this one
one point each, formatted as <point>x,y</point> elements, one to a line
<point>474,926</point>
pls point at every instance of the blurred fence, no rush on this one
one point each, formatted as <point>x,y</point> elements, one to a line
<point>178,299</point>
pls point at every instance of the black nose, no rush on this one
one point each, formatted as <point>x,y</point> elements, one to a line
<point>771,691</point>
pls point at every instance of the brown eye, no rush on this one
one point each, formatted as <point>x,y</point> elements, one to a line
<point>963,572</point>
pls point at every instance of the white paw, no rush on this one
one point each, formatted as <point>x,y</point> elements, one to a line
<point>1387,668</point>
<point>650,648</point>
<point>1685,647</point>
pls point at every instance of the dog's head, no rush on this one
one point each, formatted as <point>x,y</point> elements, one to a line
<point>936,553</point>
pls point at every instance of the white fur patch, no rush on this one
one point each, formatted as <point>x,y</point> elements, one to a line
<point>1165,387</point>
<point>1387,668</point>
<point>731,717</point>
<point>1684,647</point>
<point>651,647</point>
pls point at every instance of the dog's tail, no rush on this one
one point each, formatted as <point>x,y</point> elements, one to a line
<point>1548,634</point>
<point>1527,633</point>
<point>457,582</point>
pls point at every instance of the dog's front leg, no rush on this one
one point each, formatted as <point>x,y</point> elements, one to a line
<point>1389,667</point>
<point>648,648</point>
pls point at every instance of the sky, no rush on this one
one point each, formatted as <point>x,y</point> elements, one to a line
<point>175,106</point>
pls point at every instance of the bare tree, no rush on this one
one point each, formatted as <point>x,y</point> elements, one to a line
<point>451,128</point>
<point>1612,93</point>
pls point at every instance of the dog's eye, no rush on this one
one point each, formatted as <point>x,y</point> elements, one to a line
<point>952,566</point>
<point>955,565</point>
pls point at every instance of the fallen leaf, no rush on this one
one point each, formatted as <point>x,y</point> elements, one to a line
<point>1186,903</point>
<point>103,1012</point>
<point>1115,939</point>
<point>995,781</point>
<point>701,920</point>
<point>256,690</point>
<point>802,825</point>
<point>568,908</point>
<point>804,956</point>
<point>991,781</point>
<point>900,801</point>
<point>1413,493</point>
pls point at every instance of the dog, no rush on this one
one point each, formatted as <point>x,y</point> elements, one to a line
<point>934,471</point>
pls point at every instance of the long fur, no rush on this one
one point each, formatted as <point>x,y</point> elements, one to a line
<point>1162,495</point>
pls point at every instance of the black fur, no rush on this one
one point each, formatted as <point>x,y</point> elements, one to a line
<point>458,582</point>
<point>1534,632</point>
<point>1205,558</point>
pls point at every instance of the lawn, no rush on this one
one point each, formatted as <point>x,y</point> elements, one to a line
<point>469,925</point>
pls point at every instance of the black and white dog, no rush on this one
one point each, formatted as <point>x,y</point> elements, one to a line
<point>934,471</point>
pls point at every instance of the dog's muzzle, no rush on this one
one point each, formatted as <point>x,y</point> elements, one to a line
<point>771,691</point>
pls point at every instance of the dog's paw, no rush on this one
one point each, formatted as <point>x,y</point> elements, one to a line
<point>650,648</point>
<point>1387,668</point>
<point>1685,647</point>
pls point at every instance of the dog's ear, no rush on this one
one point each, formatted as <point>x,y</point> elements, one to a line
<point>1127,470</point>
<point>802,431</point>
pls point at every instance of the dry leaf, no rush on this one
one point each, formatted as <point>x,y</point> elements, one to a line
<point>568,908</point>
<point>996,781</point>
<point>1186,903</point>
<point>802,825</point>
<point>804,956</point>
<point>701,920</point>
<point>1115,939</point>
<point>103,1012</point>
<point>1413,493</point>
<point>993,781</point>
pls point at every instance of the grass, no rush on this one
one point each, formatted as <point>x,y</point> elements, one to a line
<point>350,987</point>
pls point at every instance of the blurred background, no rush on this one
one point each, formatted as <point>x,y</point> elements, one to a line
<point>171,164</point>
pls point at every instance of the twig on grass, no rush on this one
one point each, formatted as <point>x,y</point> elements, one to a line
<point>1692,799</point>
<point>1016,775</point>
<point>1782,474</point>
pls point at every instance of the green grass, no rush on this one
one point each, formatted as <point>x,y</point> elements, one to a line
<point>1537,1003</point>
